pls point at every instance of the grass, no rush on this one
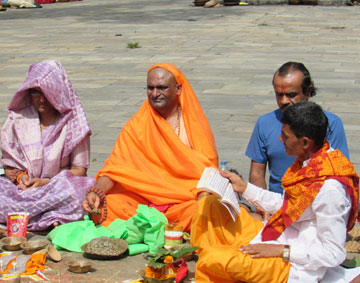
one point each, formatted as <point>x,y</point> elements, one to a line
<point>133,45</point>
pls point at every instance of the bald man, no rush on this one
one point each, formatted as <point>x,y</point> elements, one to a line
<point>159,156</point>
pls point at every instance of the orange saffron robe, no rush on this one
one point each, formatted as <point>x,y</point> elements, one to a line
<point>219,237</point>
<point>151,165</point>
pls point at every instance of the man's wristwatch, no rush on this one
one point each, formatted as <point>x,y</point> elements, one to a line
<point>286,253</point>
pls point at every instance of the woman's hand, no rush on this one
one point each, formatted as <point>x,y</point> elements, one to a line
<point>37,182</point>
<point>23,180</point>
<point>263,250</point>
<point>237,182</point>
<point>11,173</point>
<point>91,202</point>
<point>28,183</point>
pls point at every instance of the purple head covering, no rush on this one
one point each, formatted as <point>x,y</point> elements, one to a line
<point>23,145</point>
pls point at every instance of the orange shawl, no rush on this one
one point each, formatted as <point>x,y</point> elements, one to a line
<point>150,160</point>
<point>302,185</point>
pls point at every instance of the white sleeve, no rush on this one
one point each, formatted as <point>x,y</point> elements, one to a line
<point>331,208</point>
<point>263,199</point>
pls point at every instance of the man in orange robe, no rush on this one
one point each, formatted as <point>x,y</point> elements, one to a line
<point>305,237</point>
<point>159,156</point>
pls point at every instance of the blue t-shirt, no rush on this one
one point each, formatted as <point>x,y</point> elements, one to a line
<point>264,145</point>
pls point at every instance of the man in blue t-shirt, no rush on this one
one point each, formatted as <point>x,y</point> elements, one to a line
<point>292,83</point>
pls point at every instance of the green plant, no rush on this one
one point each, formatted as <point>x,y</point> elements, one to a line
<point>157,260</point>
<point>133,45</point>
<point>263,25</point>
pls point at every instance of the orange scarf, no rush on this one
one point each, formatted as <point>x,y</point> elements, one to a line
<point>302,185</point>
<point>150,159</point>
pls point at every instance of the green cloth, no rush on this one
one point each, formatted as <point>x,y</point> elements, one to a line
<point>72,236</point>
<point>135,249</point>
<point>147,226</point>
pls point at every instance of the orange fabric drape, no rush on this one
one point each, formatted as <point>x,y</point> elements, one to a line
<point>36,262</point>
<point>302,185</point>
<point>151,165</point>
<point>219,239</point>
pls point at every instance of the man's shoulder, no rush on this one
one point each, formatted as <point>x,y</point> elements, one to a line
<point>270,118</point>
<point>274,113</point>
<point>332,117</point>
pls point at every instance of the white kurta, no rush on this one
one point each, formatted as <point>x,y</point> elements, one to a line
<point>317,238</point>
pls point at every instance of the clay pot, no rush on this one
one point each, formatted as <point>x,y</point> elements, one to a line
<point>79,266</point>
<point>33,246</point>
<point>12,243</point>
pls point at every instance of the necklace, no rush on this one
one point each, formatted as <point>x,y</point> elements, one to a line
<point>177,129</point>
<point>42,127</point>
<point>49,121</point>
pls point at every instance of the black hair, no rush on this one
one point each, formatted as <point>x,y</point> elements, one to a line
<point>308,87</point>
<point>307,119</point>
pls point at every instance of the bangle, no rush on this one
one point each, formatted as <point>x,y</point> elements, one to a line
<point>21,174</point>
<point>100,193</point>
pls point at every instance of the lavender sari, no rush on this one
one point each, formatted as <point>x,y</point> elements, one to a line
<point>48,153</point>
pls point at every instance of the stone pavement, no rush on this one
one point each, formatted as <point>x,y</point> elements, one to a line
<point>228,54</point>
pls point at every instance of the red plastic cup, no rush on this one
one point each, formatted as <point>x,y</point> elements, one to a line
<point>17,224</point>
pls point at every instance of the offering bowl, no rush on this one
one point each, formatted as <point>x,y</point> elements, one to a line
<point>12,243</point>
<point>33,246</point>
<point>79,266</point>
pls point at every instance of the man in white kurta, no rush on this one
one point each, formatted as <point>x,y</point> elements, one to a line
<point>305,237</point>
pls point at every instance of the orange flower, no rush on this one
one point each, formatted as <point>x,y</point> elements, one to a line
<point>168,259</point>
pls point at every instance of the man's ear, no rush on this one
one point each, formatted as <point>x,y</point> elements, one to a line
<point>309,91</point>
<point>307,142</point>
<point>178,89</point>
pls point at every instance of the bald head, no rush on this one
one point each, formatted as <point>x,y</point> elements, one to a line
<point>162,74</point>
<point>163,91</point>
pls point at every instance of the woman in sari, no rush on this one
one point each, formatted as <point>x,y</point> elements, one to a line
<point>45,145</point>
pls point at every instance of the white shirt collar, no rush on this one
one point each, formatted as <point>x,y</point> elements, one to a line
<point>306,162</point>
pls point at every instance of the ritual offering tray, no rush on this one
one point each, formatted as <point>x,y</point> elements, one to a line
<point>79,266</point>
<point>105,248</point>
<point>12,243</point>
<point>33,246</point>
<point>155,280</point>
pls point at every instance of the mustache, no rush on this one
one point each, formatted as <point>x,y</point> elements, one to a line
<point>283,108</point>
<point>158,98</point>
